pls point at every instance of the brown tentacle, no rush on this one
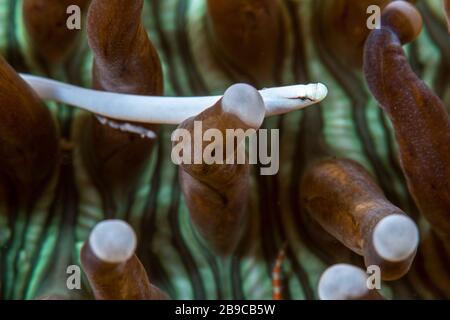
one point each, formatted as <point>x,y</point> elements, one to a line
<point>246,35</point>
<point>447,12</point>
<point>116,280</point>
<point>343,198</point>
<point>125,61</point>
<point>347,19</point>
<point>421,123</point>
<point>45,21</point>
<point>216,194</point>
<point>28,138</point>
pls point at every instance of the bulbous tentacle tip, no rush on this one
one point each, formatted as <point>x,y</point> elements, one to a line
<point>317,91</point>
<point>246,103</point>
<point>404,19</point>
<point>396,238</point>
<point>113,241</point>
<point>343,282</point>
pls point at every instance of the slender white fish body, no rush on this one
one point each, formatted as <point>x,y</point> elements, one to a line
<point>166,110</point>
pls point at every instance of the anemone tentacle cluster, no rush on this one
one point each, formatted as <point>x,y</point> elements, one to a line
<point>87,179</point>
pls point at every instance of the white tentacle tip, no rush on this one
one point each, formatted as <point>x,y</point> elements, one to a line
<point>314,92</point>
<point>317,92</point>
<point>395,237</point>
<point>113,241</point>
<point>245,102</point>
<point>343,282</point>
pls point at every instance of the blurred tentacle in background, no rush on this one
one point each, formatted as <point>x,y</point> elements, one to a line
<point>28,138</point>
<point>125,61</point>
<point>247,37</point>
<point>447,12</point>
<point>45,21</point>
